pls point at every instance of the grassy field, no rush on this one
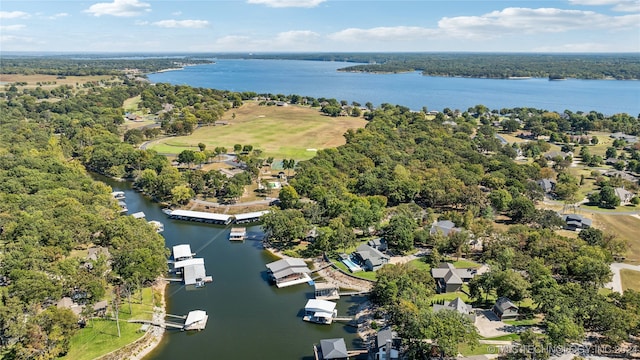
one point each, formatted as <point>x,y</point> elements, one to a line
<point>626,228</point>
<point>282,132</point>
<point>100,336</point>
<point>630,279</point>
<point>131,104</point>
<point>32,80</point>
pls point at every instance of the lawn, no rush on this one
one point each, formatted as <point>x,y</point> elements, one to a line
<point>131,104</point>
<point>100,336</point>
<point>279,131</point>
<point>626,228</point>
<point>32,80</point>
<point>630,279</point>
<point>367,275</point>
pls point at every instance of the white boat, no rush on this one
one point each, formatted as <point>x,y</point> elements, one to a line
<point>167,211</point>
<point>158,225</point>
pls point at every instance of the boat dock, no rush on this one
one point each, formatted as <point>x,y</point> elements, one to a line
<point>195,320</point>
<point>238,234</point>
<point>213,218</point>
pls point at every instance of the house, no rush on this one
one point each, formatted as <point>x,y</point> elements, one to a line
<point>68,303</point>
<point>289,271</point>
<point>94,252</point>
<point>100,308</point>
<point>371,258</point>
<point>320,311</point>
<point>624,195</point>
<point>456,305</point>
<point>450,279</point>
<point>133,117</point>
<point>554,154</point>
<point>505,309</point>
<point>575,222</point>
<point>333,349</point>
<point>444,227</point>
<point>630,139</point>
<point>378,243</point>
<point>387,345</point>
<point>625,175</point>
<point>547,185</point>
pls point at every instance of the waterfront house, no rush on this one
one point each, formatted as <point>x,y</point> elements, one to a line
<point>456,305</point>
<point>332,349</point>
<point>576,222</point>
<point>289,271</point>
<point>387,345</point>
<point>444,227</point>
<point>450,279</point>
<point>320,311</point>
<point>505,309</point>
<point>371,258</point>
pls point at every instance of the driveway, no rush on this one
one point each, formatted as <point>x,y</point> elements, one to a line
<point>616,281</point>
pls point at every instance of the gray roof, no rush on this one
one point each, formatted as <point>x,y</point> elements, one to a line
<point>333,348</point>
<point>366,252</point>
<point>443,226</point>
<point>193,272</point>
<point>457,304</point>
<point>503,304</point>
<point>450,274</point>
<point>384,335</point>
<point>576,220</point>
<point>285,263</point>
<point>547,184</point>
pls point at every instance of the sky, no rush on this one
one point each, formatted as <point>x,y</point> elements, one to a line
<point>211,26</point>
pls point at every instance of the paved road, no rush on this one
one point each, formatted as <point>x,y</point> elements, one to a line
<point>616,281</point>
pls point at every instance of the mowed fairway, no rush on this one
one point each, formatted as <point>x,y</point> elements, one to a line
<point>279,131</point>
<point>32,80</point>
<point>627,228</point>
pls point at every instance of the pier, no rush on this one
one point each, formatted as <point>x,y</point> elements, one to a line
<point>213,218</point>
<point>195,320</point>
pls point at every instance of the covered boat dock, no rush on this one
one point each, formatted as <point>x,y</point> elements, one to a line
<point>199,216</point>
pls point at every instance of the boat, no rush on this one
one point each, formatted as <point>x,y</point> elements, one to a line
<point>158,225</point>
<point>167,211</point>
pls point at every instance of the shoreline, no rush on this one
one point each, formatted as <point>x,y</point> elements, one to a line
<point>154,336</point>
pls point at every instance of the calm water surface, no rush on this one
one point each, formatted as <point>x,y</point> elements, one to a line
<point>248,318</point>
<point>320,79</point>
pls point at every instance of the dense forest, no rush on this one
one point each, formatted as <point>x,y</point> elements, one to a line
<point>481,65</point>
<point>82,65</point>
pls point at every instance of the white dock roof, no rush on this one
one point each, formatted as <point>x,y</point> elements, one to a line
<point>188,262</point>
<point>193,273</point>
<point>251,215</point>
<point>321,306</point>
<point>285,263</point>
<point>195,316</point>
<point>138,215</point>
<point>201,215</point>
<point>183,250</point>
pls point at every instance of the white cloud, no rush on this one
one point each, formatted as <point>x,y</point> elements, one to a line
<point>398,33</point>
<point>123,8</point>
<point>11,27</point>
<point>532,21</point>
<point>15,39</point>
<point>14,15</point>
<point>296,36</point>
<point>617,5</point>
<point>177,13</point>
<point>287,3</point>
<point>192,24</point>
<point>58,15</point>
<point>500,23</point>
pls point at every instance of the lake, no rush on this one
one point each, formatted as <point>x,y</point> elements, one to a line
<point>320,79</point>
<point>248,317</point>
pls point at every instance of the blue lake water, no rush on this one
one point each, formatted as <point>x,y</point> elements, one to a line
<point>320,79</point>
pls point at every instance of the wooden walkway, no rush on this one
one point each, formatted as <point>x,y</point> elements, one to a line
<point>162,324</point>
<point>354,293</point>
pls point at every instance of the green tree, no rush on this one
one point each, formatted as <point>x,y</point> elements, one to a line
<point>202,146</point>
<point>289,198</point>
<point>399,233</point>
<point>285,227</point>
<point>181,194</point>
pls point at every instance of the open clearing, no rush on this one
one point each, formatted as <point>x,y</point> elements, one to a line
<point>50,81</point>
<point>630,279</point>
<point>626,227</point>
<point>279,131</point>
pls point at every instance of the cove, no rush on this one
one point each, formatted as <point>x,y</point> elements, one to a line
<point>248,317</point>
<point>413,90</point>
